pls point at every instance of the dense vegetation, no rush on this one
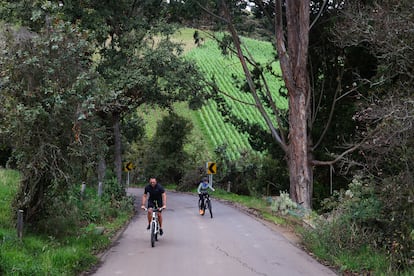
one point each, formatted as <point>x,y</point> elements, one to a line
<point>64,119</point>
<point>82,227</point>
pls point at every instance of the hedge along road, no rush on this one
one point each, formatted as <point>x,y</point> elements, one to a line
<point>232,243</point>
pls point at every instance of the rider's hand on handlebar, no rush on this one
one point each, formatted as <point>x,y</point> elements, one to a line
<point>163,207</point>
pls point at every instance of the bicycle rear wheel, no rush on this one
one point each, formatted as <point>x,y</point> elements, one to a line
<point>153,234</point>
<point>209,207</point>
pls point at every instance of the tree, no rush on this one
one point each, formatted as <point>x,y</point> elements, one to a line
<point>290,24</point>
<point>293,62</point>
<point>166,156</point>
<point>46,75</point>
<point>383,30</point>
<point>137,59</point>
<point>67,72</point>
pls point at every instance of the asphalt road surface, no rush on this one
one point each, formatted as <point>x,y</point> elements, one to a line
<point>232,243</point>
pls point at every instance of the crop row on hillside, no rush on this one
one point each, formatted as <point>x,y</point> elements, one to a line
<point>222,70</point>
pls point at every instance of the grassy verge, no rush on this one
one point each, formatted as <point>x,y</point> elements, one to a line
<point>38,254</point>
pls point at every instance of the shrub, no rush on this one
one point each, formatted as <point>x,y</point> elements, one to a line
<point>283,204</point>
<point>253,174</point>
<point>67,212</point>
<point>371,214</point>
<point>191,179</point>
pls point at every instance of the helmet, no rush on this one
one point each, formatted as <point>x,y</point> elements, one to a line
<point>205,179</point>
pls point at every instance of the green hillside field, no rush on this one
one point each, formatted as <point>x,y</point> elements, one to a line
<point>209,125</point>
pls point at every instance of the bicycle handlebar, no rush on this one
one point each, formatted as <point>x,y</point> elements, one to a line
<point>154,209</point>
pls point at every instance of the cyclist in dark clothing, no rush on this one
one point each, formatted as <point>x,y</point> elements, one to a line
<point>157,198</point>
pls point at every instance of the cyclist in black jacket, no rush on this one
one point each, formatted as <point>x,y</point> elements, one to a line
<point>157,199</point>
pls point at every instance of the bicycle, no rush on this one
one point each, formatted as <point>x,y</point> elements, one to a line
<point>204,203</point>
<point>155,225</point>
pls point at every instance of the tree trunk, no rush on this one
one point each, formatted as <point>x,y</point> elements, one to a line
<point>293,62</point>
<point>117,145</point>
<point>300,169</point>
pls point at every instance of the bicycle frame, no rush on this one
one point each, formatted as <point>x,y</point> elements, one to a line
<point>205,202</point>
<point>155,225</point>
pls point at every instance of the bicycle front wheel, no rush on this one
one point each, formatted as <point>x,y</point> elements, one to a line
<point>202,206</point>
<point>153,234</point>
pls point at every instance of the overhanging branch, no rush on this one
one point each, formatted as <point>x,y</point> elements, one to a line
<point>329,163</point>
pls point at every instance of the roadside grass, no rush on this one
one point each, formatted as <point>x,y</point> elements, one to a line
<point>9,181</point>
<point>38,254</point>
<point>363,261</point>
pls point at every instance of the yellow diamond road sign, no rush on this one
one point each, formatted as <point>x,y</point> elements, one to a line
<point>129,166</point>
<point>211,168</point>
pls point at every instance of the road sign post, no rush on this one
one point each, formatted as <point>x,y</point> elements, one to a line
<point>127,184</point>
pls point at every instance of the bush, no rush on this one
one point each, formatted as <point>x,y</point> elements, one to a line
<point>374,215</point>
<point>67,212</point>
<point>113,192</point>
<point>283,204</point>
<point>252,174</point>
<point>191,179</point>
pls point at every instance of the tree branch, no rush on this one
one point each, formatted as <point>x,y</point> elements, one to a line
<point>230,96</point>
<point>250,82</point>
<point>329,163</point>
<point>319,14</point>
<point>331,113</point>
<point>213,14</point>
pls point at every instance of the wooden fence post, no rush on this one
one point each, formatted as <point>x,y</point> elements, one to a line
<point>99,189</point>
<point>20,224</point>
<point>83,187</point>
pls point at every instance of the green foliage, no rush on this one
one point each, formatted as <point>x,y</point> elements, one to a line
<point>283,204</point>
<point>253,174</point>
<point>367,216</point>
<point>45,77</point>
<point>384,120</point>
<point>235,105</point>
<point>133,128</point>
<point>70,236</point>
<point>113,192</point>
<point>166,155</point>
<point>68,211</point>
<point>8,187</point>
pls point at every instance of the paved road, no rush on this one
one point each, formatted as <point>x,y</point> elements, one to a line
<point>232,243</point>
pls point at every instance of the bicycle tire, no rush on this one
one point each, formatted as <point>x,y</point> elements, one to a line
<point>202,206</point>
<point>152,234</point>
<point>209,208</point>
